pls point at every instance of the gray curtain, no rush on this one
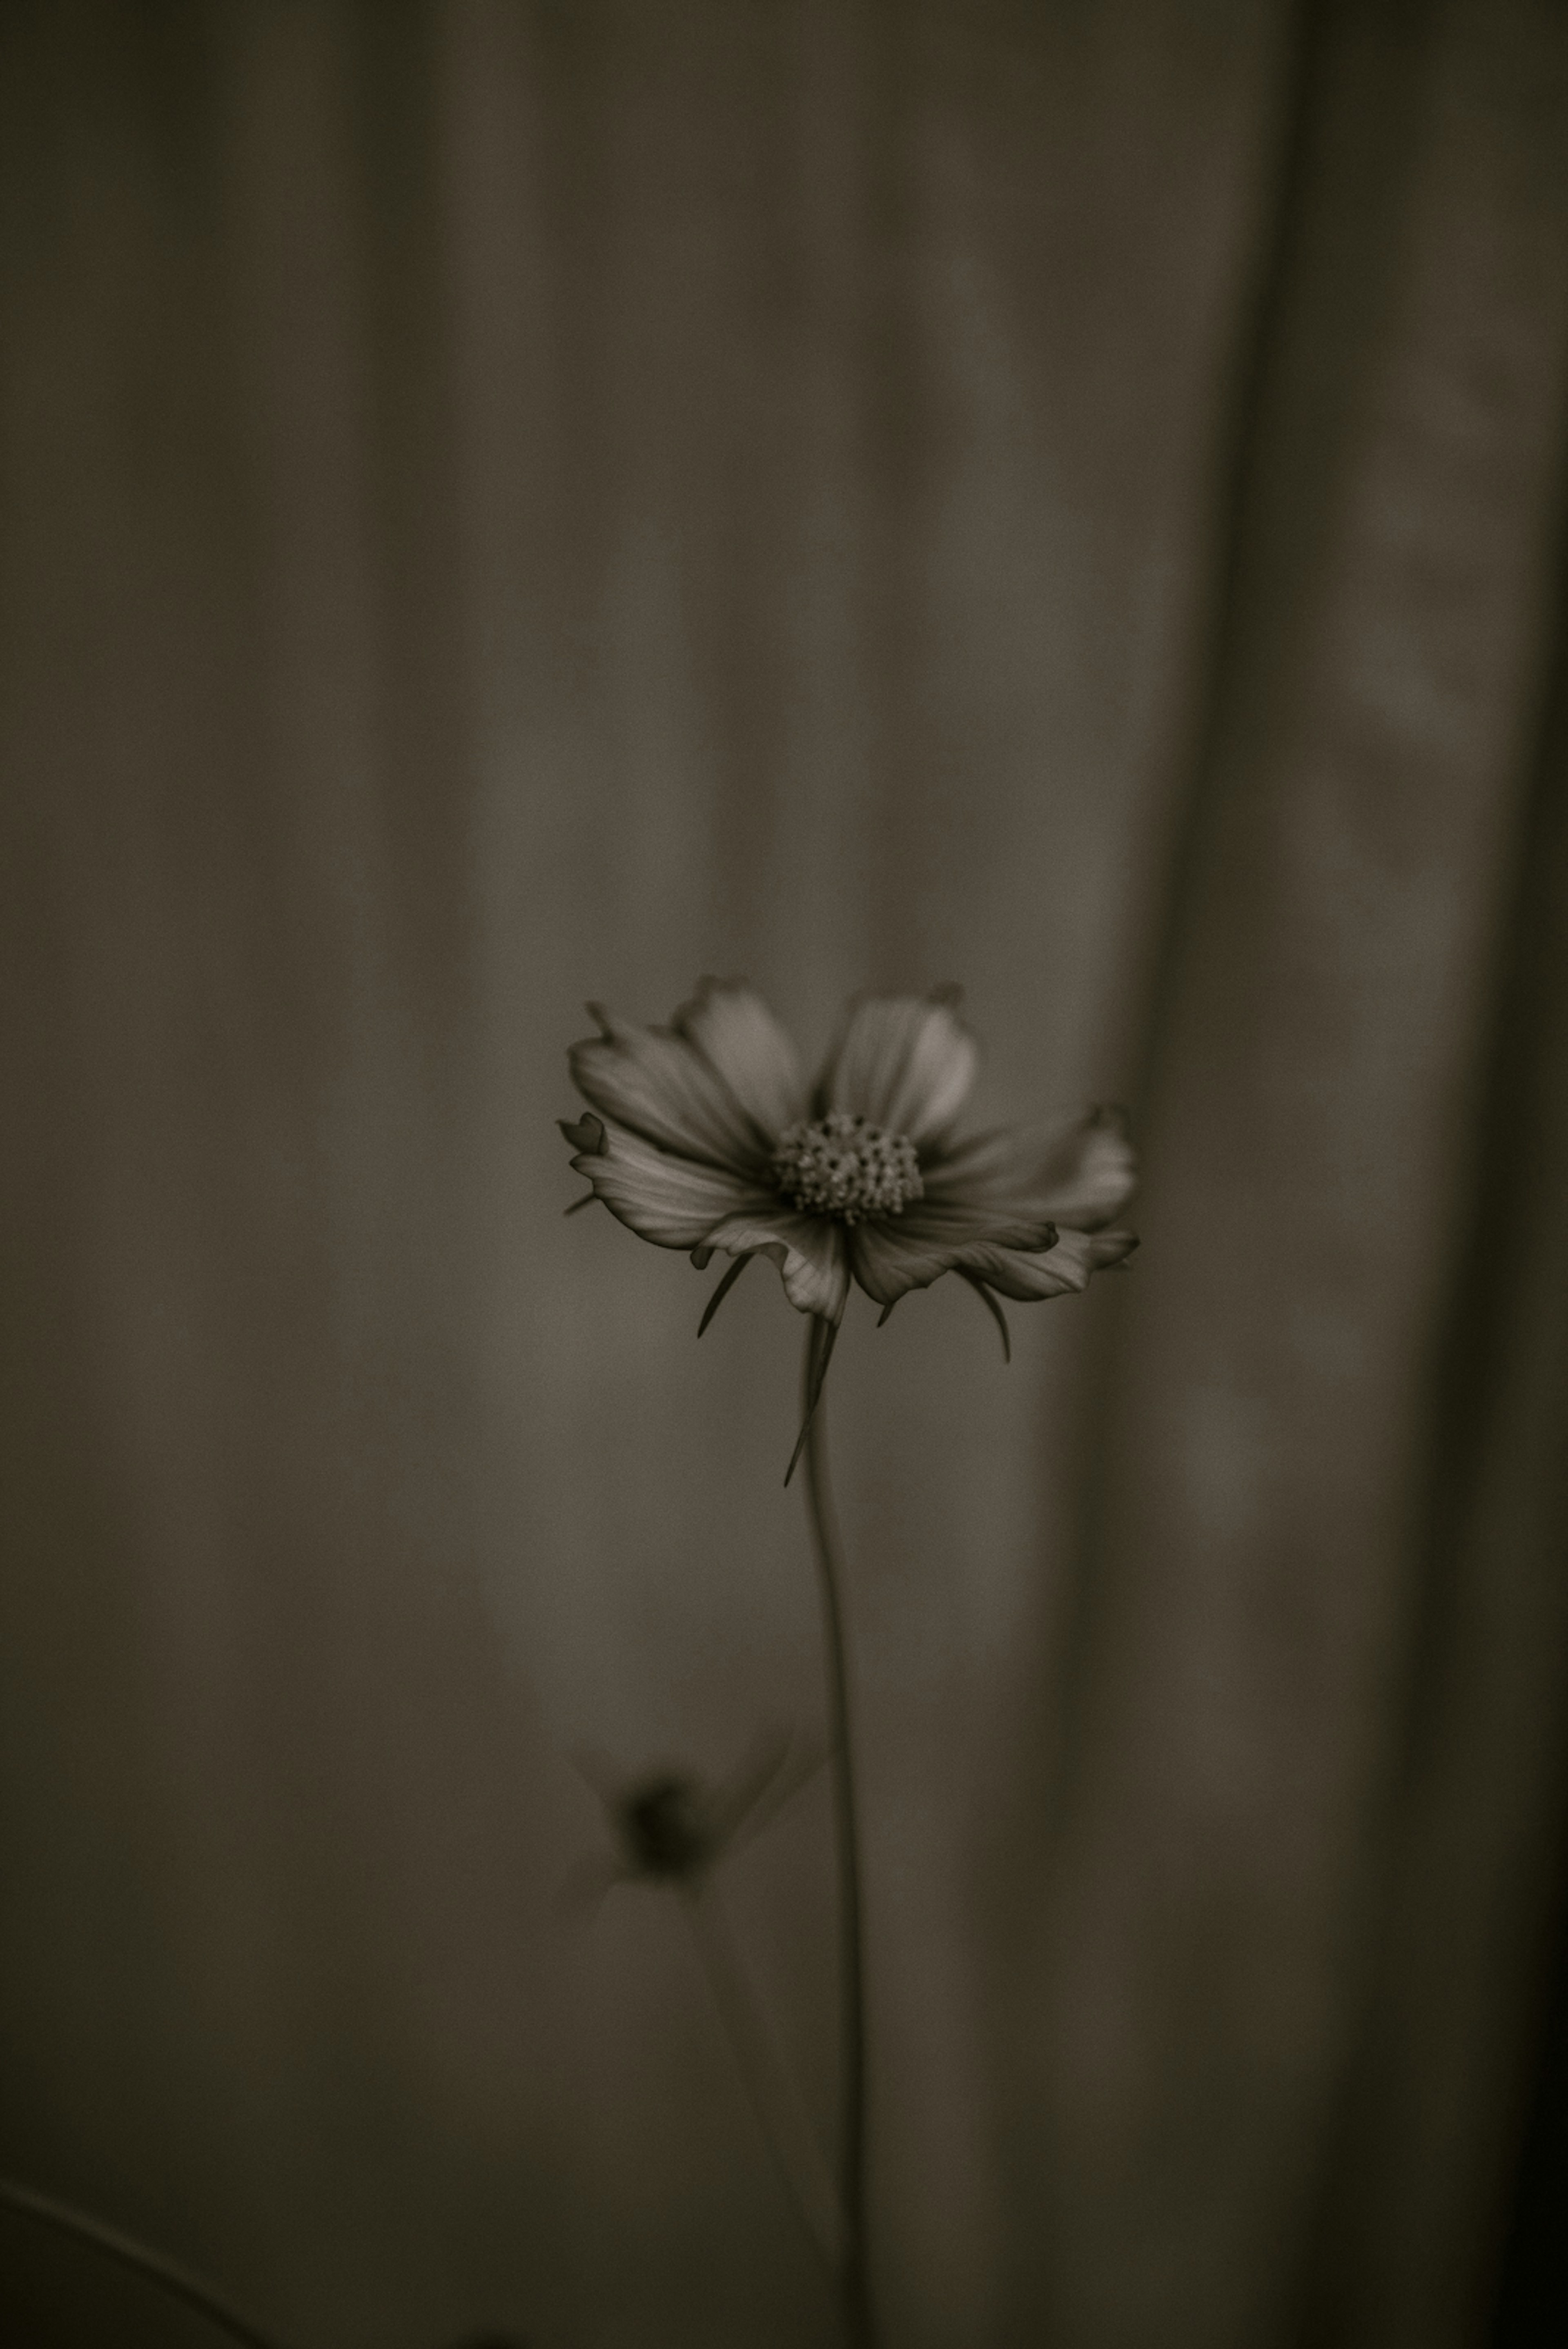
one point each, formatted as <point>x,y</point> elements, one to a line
<point>510,503</point>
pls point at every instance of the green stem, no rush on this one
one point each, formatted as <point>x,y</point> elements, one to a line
<point>155,2267</point>
<point>854,2279</point>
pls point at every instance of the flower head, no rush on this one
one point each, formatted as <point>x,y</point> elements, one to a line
<point>668,1828</point>
<point>707,1137</point>
<point>673,1826</point>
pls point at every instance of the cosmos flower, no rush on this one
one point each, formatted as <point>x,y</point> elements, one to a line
<point>668,1828</point>
<point>707,1137</point>
<point>673,1826</point>
<point>672,1830</point>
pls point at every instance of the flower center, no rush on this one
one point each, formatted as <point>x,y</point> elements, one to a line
<point>839,1165</point>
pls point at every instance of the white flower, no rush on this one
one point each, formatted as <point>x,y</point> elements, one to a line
<point>708,1138</point>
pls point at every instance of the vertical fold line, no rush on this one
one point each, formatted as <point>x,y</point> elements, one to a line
<point>1238,471</point>
<point>1507,1319</point>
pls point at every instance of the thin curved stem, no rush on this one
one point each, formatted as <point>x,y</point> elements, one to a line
<point>854,2278</point>
<point>778,2109</point>
<point>153,2267</point>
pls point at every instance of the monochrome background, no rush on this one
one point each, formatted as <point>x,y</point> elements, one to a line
<point>506,504</point>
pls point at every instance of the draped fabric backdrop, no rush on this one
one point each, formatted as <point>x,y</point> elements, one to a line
<point>510,504</point>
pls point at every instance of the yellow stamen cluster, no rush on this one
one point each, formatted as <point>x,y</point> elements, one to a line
<point>839,1165</point>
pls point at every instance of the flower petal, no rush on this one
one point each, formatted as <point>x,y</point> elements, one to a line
<point>663,1198</point>
<point>736,1033</point>
<point>958,1224</point>
<point>1079,1172</point>
<point>1054,1271</point>
<point>808,1250</point>
<point>933,1236</point>
<point>887,1261</point>
<point>889,1258</point>
<point>903,1062</point>
<point>662,1088</point>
